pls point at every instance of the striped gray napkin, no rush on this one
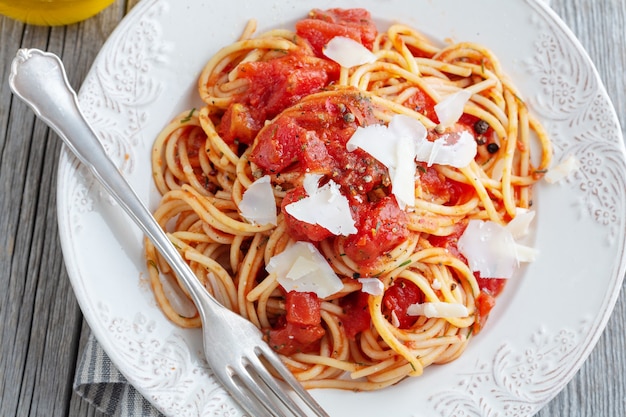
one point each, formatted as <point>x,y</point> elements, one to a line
<point>100,383</point>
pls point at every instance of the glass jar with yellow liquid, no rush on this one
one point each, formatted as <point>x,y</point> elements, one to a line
<point>52,12</point>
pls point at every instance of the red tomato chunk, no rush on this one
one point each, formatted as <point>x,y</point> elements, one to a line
<point>397,300</point>
<point>302,308</point>
<point>274,85</point>
<point>356,317</point>
<point>300,328</point>
<point>323,25</point>
<point>381,226</point>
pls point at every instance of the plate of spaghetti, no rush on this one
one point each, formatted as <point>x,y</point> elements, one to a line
<point>394,197</point>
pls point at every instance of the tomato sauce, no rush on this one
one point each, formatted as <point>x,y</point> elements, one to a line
<point>397,300</point>
<point>307,132</point>
<point>300,329</point>
<point>323,25</point>
<point>356,317</point>
<point>311,137</point>
<point>273,86</point>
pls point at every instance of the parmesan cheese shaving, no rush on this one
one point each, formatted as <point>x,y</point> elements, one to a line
<point>456,149</point>
<point>395,322</point>
<point>520,225</point>
<point>489,249</point>
<point>177,298</point>
<point>395,147</point>
<point>402,142</point>
<point>562,170</point>
<point>301,267</point>
<point>347,52</point>
<point>258,205</point>
<point>450,109</point>
<point>324,206</point>
<point>372,286</point>
<point>403,174</point>
<point>525,253</point>
<point>438,309</point>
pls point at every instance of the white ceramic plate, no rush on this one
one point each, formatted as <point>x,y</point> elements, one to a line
<point>546,322</point>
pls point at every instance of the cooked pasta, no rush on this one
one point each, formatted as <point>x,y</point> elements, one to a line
<point>276,107</point>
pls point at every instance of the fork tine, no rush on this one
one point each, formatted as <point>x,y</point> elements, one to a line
<point>272,358</point>
<point>251,407</point>
<point>253,379</point>
<point>259,368</point>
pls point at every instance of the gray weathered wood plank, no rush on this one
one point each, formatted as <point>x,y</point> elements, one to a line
<point>41,321</point>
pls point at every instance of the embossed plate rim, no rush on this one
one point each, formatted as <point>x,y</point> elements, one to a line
<point>513,368</point>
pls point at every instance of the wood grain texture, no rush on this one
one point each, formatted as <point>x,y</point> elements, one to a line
<point>41,326</point>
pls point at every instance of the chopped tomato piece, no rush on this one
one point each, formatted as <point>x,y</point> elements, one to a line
<point>424,104</point>
<point>303,308</point>
<point>288,338</point>
<point>323,25</point>
<point>311,136</point>
<point>300,328</point>
<point>446,191</point>
<point>381,226</point>
<point>397,300</point>
<point>274,85</point>
<point>356,317</point>
<point>285,144</point>
<point>484,303</point>
<point>239,125</point>
<point>492,286</point>
<point>282,82</point>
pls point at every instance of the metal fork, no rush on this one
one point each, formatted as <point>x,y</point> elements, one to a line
<point>234,347</point>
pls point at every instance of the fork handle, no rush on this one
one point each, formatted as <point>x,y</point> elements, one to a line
<point>39,79</point>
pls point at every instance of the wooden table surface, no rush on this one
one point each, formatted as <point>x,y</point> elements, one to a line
<point>41,326</point>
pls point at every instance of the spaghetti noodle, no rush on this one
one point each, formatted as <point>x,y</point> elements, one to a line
<point>275,106</point>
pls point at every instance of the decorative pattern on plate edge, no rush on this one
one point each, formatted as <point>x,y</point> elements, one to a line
<point>579,120</point>
<point>514,383</point>
<point>165,368</point>
<point>510,384</point>
<point>517,384</point>
<point>124,84</point>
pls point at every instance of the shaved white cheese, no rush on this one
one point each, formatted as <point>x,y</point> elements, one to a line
<point>177,298</point>
<point>347,52</point>
<point>402,142</point>
<point>438,309</point>
<point>301,267</point>
<point>436,284</point>
<point>258,205</point>
<point>562,170</point>
<point>525,253</point>
<point>489,249</point>
<point>450,109</point>
<point>456,149</point>
<point>395,322</point>
<point>324,206</point>
<point>403,174</point>
<point>520,225</point>
<point>395,147</point>
<point>372,286</point>
<point>498,170</point>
